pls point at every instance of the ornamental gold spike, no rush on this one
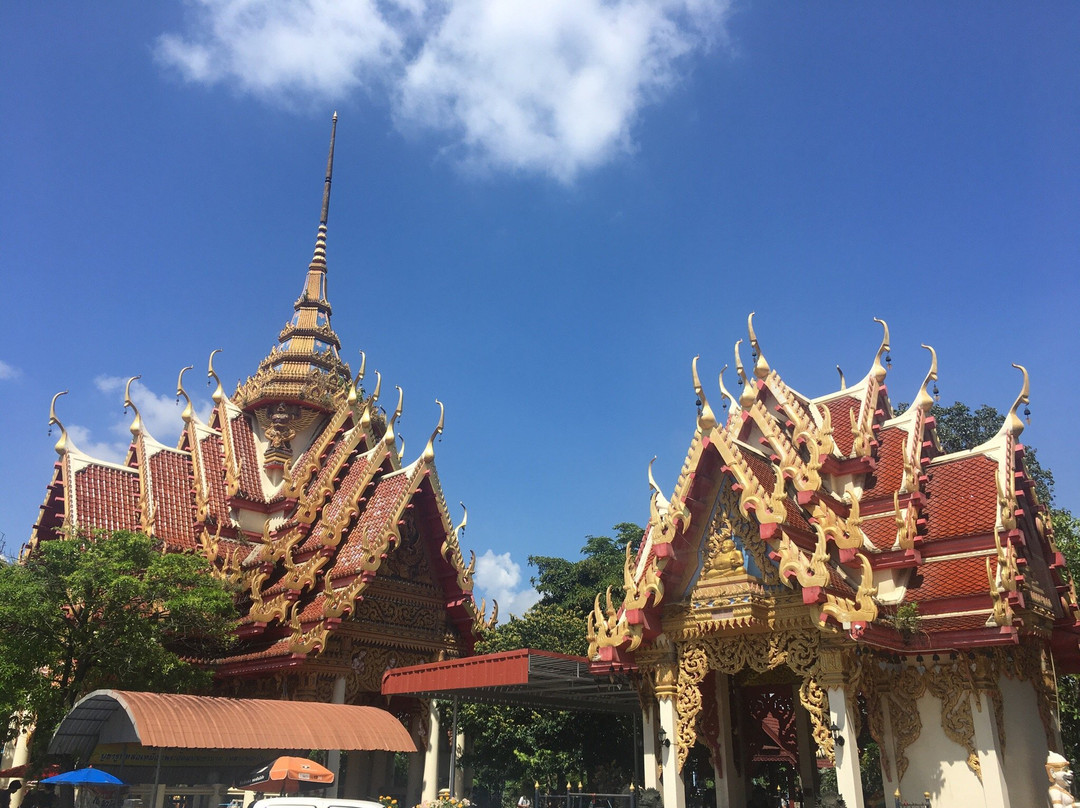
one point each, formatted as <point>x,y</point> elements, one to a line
<point>429,450</point>
<point>923,400</point>
<point>189,411</point>
<point>878,370</point>
<point>761,367</point>
<point>136,423</point>
<point>1013,424</point>
<point>219,393</point>
<point>734,403</point>
<point>746,397</point>
<point>389,438</point>
<point>363,367</point>
<point>460,529</point>
<point>843,383</point>
<point>401,451</point>
<point>706,419</point>
<point>61,444</point>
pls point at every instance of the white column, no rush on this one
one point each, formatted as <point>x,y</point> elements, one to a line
<point>672,788</point>
<point>430,790</point>
<point>804,735</point>
<point>730,788</point>
<point>20,757</point>
<point>333,756</point>
<point>459,777</point>
<point>995,788</point>
<point>648,746</point>
<point>848,777</point>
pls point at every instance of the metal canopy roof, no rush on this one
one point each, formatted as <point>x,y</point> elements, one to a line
<point>164,720</point>
<point>524,677</point>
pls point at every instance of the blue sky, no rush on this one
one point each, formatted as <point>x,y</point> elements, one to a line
<point>541,212</point>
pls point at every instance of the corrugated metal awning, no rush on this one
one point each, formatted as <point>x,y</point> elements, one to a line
<point>165,720</point>
<point>524,677</point>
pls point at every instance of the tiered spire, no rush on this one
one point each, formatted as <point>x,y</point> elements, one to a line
<point>305,367</point>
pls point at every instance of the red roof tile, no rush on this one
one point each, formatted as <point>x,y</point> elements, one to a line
<point>213,463</point>
<point>379,509</point>
<point>107,498</point>
<point>172,498</point>
<point>881,530</point>
<point>962,497</point>
<point>243,442</point>
<point>950,578</point>
<point>889,475</point>
<point>839,409</point>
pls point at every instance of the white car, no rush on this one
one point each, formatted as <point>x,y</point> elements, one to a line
<point>314,802</point>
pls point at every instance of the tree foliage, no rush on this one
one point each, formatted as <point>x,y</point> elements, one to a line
<point>513,747</point>
<point>105,610</point>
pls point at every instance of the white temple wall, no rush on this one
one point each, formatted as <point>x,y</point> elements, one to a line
<point>938,765</point>
<point>1025,745</point>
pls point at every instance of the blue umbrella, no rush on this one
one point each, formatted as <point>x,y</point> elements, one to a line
<point>85,777</point>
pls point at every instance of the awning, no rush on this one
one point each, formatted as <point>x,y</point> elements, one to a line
<point>524,677</point>
<point>164,720</point>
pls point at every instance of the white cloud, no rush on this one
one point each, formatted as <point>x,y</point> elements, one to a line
<point>8,371</point>
<point>550,87</point>
<point>160,413</point>
<point>499,577</point>
<point>83,440</point>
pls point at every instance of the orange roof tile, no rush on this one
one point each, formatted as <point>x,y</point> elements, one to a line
<point>950,578</point>
<point>962,497</point>
<point>107,498</point>
<point>839,409</point>
<point>172,498</point>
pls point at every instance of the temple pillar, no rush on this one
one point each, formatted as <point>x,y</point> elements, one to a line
<point>430,788</point>
<point>333,756</point>
<point>672,789</point>
<point>20,757</point>
<point>890,776</point>
<point>648,746</point>
<point>995,789</point>
<point>804,736</point>
<point>730,786</point>
<point>848,775</point>
<point>460,789</point>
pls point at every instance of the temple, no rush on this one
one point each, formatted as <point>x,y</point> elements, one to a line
<point>296,490</point>
<point>822,577</point>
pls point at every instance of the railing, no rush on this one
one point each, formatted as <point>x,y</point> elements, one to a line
<point>583,799</point>
<point>901,804</point>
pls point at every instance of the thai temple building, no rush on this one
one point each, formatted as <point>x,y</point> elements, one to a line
<point>823,576</point>
<point>296,490</point>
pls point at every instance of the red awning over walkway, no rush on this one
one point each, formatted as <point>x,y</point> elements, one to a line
<point>524,677</point>
<point>164,720</point>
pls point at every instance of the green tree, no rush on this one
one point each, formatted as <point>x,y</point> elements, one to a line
<point>105,610</point>
<point>513,747</point>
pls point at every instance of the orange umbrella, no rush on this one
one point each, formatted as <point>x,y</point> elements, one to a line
<point>287,775</point>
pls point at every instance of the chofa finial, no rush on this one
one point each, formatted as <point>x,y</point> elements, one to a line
<point>189,411</point>
<point>1012,421</point>
<point>761,367</point>
<point>923,400</point>
<point>706,419</point>
<point>219,393</point>
<point>136,422</point>
<point>389,437</point>
<point>61,444</point>
<point>878,371</point>
<point>429,450</point>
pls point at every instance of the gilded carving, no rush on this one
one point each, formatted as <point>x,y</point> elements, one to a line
<point>864,608</point>
<point>793,564</point>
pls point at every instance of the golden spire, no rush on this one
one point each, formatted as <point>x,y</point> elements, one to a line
<point>388,437</point>
<point>429,450</point>
<point>923,400</point>
<point>189,411</point>
<point>219,393</point>
<point>878,371</point>
<point>761,367</point>
<point>706,420</point>
<point>61,443</point>
<point>305,367</point>
<point>748,394</point>
<point>1013,424</point>
<point>136,423</point>
<point>724,391</point>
